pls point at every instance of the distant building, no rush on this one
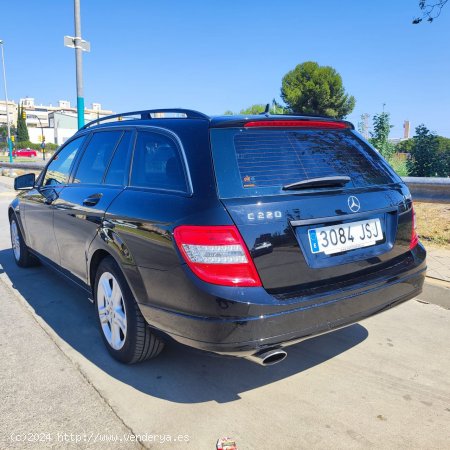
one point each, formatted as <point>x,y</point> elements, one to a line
<point>406,129</point>
<point>12,107</point>
<point>58,122</point>
<point>62,126</point>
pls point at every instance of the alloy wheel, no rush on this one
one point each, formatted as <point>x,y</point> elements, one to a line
<point>111,310</point>
<point>15,240</point>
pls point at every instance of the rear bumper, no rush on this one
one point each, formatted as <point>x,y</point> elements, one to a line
<point>306,317</point>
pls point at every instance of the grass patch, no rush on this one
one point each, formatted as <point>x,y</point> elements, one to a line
<point>433,223</point>
<point>20,159</point>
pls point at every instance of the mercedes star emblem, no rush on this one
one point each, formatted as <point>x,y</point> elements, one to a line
<point>353,203</point>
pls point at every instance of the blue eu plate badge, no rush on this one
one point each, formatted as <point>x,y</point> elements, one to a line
<point>313,241</point>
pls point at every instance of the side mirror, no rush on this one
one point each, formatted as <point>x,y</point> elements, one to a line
<point>25,182</point>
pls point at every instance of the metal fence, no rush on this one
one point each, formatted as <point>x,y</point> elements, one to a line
<point>431,190</point>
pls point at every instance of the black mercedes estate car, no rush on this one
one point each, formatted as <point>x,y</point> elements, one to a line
<point>236,235</point>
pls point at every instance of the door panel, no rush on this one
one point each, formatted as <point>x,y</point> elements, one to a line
<point>36,206</point>
<point>77,220</point>
<point>81,206</point>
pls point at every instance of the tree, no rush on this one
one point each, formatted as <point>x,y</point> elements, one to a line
<point>404,146</point>
<point>253,110</point>
<point>379,137</point>
<point>258,108</point>
<point>430,11</point>
<point>314,89</point>
<point>22,130</point>
<point>423,159</point>
<point>443,156</point>
<point>4,132</point>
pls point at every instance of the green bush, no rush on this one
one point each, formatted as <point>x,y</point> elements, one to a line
<point>429,154</point>
<point>398,163</point>
<point>27,144</point>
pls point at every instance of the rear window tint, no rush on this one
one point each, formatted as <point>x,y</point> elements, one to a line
<point>263,161</point>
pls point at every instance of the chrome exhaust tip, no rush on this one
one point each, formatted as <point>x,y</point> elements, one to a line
<point>268,357</point>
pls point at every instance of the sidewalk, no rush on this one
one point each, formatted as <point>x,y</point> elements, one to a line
<point>439,264</point>
<point>43,392</point>
<point>437,284</point>
<point>7,182</point>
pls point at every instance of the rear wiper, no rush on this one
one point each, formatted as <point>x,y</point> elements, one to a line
<point>318,182</point>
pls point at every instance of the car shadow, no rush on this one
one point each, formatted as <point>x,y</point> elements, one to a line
<point>180,374</point>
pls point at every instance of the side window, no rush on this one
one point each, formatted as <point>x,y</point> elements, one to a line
<point>117,171</point>
<point>59,169</point>
<point>157,163</point>
<point>96,157</point>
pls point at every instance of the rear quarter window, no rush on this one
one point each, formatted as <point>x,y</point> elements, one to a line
<point>260,162</point>
<point>157,163</point>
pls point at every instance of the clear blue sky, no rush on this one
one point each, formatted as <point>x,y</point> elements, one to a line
<point>219,55</point>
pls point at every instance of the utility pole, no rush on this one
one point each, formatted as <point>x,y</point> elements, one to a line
<point>79,65</point>
<point>7,106</point>
<point>79,45</point>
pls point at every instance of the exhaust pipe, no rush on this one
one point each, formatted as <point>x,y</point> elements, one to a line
<point>268,357</point>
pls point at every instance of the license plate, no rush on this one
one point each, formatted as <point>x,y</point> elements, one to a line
<point>344,237</point>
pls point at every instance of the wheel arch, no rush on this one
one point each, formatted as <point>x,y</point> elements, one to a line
<point>96,259</point>
<point>12,212</point>
<point>131,272</point>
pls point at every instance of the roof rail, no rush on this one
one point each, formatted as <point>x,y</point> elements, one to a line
<point>147,114</point>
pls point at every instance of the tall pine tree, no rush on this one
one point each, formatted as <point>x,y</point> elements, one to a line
<point>22,130</point>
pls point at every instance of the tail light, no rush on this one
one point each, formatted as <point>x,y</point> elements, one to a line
<point>414,235</point>
<point>217,255</point>
<point>297,124</point>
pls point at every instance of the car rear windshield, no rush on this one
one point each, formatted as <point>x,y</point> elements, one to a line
<point>252,162</point>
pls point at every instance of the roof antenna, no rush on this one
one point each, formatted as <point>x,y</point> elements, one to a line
<point>266,111</point>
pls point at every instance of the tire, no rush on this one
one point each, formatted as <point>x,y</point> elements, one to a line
<point>126,334</point>
<point>22,255</point>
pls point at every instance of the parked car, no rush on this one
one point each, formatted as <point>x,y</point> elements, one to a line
<point>236,235</point>
<point>25,152</point>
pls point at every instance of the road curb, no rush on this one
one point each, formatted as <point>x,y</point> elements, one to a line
<point>436,292</point>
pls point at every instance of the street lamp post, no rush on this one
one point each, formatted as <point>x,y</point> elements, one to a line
<point>7,107</point>
<point>79,45</point>
<point>79,64</point>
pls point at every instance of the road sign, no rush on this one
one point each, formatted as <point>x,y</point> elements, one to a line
<point>69,41</point>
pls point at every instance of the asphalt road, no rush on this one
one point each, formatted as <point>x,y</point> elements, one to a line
<point>383,383</point>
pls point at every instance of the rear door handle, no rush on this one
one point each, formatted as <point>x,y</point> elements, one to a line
<point>92,200</point>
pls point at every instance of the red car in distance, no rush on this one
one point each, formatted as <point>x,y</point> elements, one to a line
<point>24,152</point>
